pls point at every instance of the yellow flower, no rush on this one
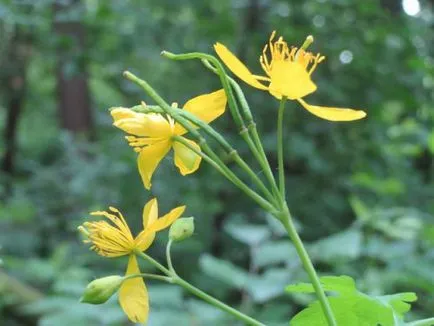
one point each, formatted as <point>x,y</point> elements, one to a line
<point>153,134</point>
<point>115,239</point>
<point>288,74</point>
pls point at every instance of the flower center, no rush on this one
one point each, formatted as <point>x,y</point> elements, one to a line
<point>280,52</point>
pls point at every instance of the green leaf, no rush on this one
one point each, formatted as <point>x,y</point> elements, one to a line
<point>340,284</point>
<point>398,302</point>
<point>354,310</point>
<point>350,306</point>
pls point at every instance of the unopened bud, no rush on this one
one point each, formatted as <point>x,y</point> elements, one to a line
<point>181,229</point>
<point>100,290</point>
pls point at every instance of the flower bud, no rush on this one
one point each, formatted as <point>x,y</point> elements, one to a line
<point>100,290</point>
<point>181,229</point>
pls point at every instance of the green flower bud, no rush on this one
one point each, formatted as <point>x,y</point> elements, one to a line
<point>181,229</point>
<point>100,290</point>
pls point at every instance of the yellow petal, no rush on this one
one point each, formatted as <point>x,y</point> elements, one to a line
<point>150,212</point>
<point>166,220</point>
<point>133,295</point>
<point>236,66</point>
<point>140,124</point>
<point>144,240</point>
<point>122,113</point>
<point>333,114</point>
<point>291,80</point>
<point>186,160</point>
<point>206,107</point>
<point>149,158</point>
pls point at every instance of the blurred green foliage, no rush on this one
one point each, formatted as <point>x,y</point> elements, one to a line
<point>362,193</point>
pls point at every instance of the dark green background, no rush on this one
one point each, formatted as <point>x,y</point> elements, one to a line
<point>361,192</point>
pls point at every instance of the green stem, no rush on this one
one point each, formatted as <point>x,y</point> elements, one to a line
<point>422,322</point>
<point>153,262</point>
<point>173,278</point>
<point>287,221</point>
<point>150,276</point>
<point>227,173</point>
<point>181,116</point>
<point>213,301</point>
<point>169,256</point>
<point>255,145</point>
<point>227,82</point>
<point>231,99</point>
<point>281,165</point>
<point>182,121</point>
<point>266,164</point>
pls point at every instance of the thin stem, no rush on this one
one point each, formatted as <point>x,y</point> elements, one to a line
<point>227,173</point>
<point>422,322</point>
<point>150,276</point>
<point>169,256</point>
<point>267,168</point>
<point>153,262</point>
<point>308,266</point>
<point>255,145</point>
<point>181,116</point>
<point>213,301</point>
<point>173,278</point>
<point>227,82</point>
<point>281,166</point>
<point>231,99</point>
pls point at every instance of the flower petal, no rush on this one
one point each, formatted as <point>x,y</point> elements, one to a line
<point>333,114</point>
<point>236,66</point>
<point>290,79</point>
<point>150,212</point>
<point>122,113</point>
<point>133,295</point>
<point>206,107</point>
<point>186,160</point>
<point>166,220</point>
<point>149,158</point>
<point>141,124</point>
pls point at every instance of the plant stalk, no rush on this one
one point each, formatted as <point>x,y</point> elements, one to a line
<point>216,303</point>
<point>281,165</point>
<point>287,221</point>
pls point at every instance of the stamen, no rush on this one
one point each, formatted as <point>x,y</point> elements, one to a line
<point>318,59</point>
<point>263,60</point>
<point>307,42</point>
<point>83,231</point>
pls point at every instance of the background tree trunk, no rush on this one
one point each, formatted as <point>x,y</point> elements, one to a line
<point>72,81</point>
<point>14,82</point>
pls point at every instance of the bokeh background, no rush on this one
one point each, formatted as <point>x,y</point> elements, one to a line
<point>362,192</point>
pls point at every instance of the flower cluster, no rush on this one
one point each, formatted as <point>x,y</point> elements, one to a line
<point>153,135</point>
